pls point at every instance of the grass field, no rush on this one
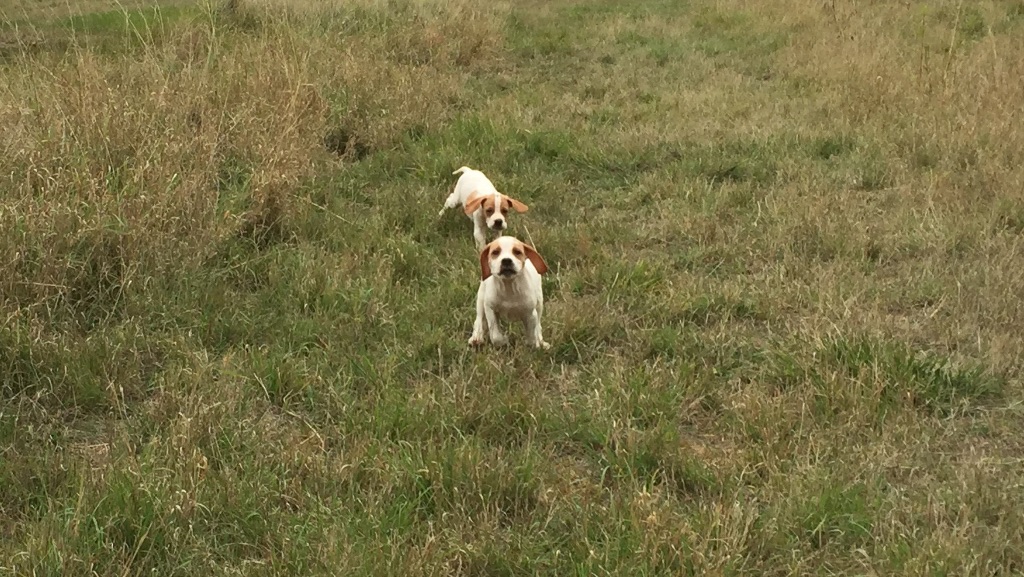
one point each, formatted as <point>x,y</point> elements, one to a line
<point>787,253</point>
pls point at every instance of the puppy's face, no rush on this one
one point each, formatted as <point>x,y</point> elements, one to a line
<point>496,208</point>
<point>505,257</point>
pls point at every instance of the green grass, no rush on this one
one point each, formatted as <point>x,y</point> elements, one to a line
<point>31,30</point>
<point>784,243</point>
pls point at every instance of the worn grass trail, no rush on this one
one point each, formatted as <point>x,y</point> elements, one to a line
<point>784,304</point>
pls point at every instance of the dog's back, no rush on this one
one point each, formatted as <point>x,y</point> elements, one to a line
<point>473,180</point>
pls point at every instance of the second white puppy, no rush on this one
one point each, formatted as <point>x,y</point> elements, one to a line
<point>482,202</point>
<point>510,288</point>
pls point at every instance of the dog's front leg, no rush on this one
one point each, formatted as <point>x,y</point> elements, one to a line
<point>497,337</point>
<point>480,324</point>
<point>531,326</point>
<point>479,226</point>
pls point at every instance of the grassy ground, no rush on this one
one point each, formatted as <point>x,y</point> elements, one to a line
<point>787,260</point>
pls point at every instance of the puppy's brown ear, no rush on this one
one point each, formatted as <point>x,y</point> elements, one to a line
<point>516,205</point>
<point>485,263</point>
<point>536,259</point>
<point>474,202</point>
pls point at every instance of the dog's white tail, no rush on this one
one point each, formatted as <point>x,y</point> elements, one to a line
<point>461,170</point>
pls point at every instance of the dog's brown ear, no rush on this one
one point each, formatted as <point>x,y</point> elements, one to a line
<point>516,205</point>
<point>474,202</point>
<point>485,264</point>
<point>536,259</point>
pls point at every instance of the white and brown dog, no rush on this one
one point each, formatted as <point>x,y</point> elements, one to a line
<point>510,288</point>
<point>488,208</point>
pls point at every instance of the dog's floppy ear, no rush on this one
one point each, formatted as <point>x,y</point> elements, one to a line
<point>516,205</point>
<point>474,202</point>
<point>485,264</point>
<point>535,258</point>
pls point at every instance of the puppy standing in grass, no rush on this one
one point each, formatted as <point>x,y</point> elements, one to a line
<point>510,287</point>
<point>482,202</point>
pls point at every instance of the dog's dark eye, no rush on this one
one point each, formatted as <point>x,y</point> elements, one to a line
<point>490,211</point>
<point>517,252</point>
<point>495,253</point>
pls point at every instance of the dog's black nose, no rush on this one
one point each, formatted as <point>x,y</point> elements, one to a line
<point>498,223</point>
<point>506,262</point>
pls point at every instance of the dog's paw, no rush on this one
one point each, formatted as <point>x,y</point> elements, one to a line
<point>540,345</point>
<point>476,341</point>
<point>499,340</point>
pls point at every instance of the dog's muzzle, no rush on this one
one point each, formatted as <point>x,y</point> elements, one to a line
<point>507,268</point>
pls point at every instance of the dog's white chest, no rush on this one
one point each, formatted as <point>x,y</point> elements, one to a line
<point>515,300</point>
<point>516,308</point>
